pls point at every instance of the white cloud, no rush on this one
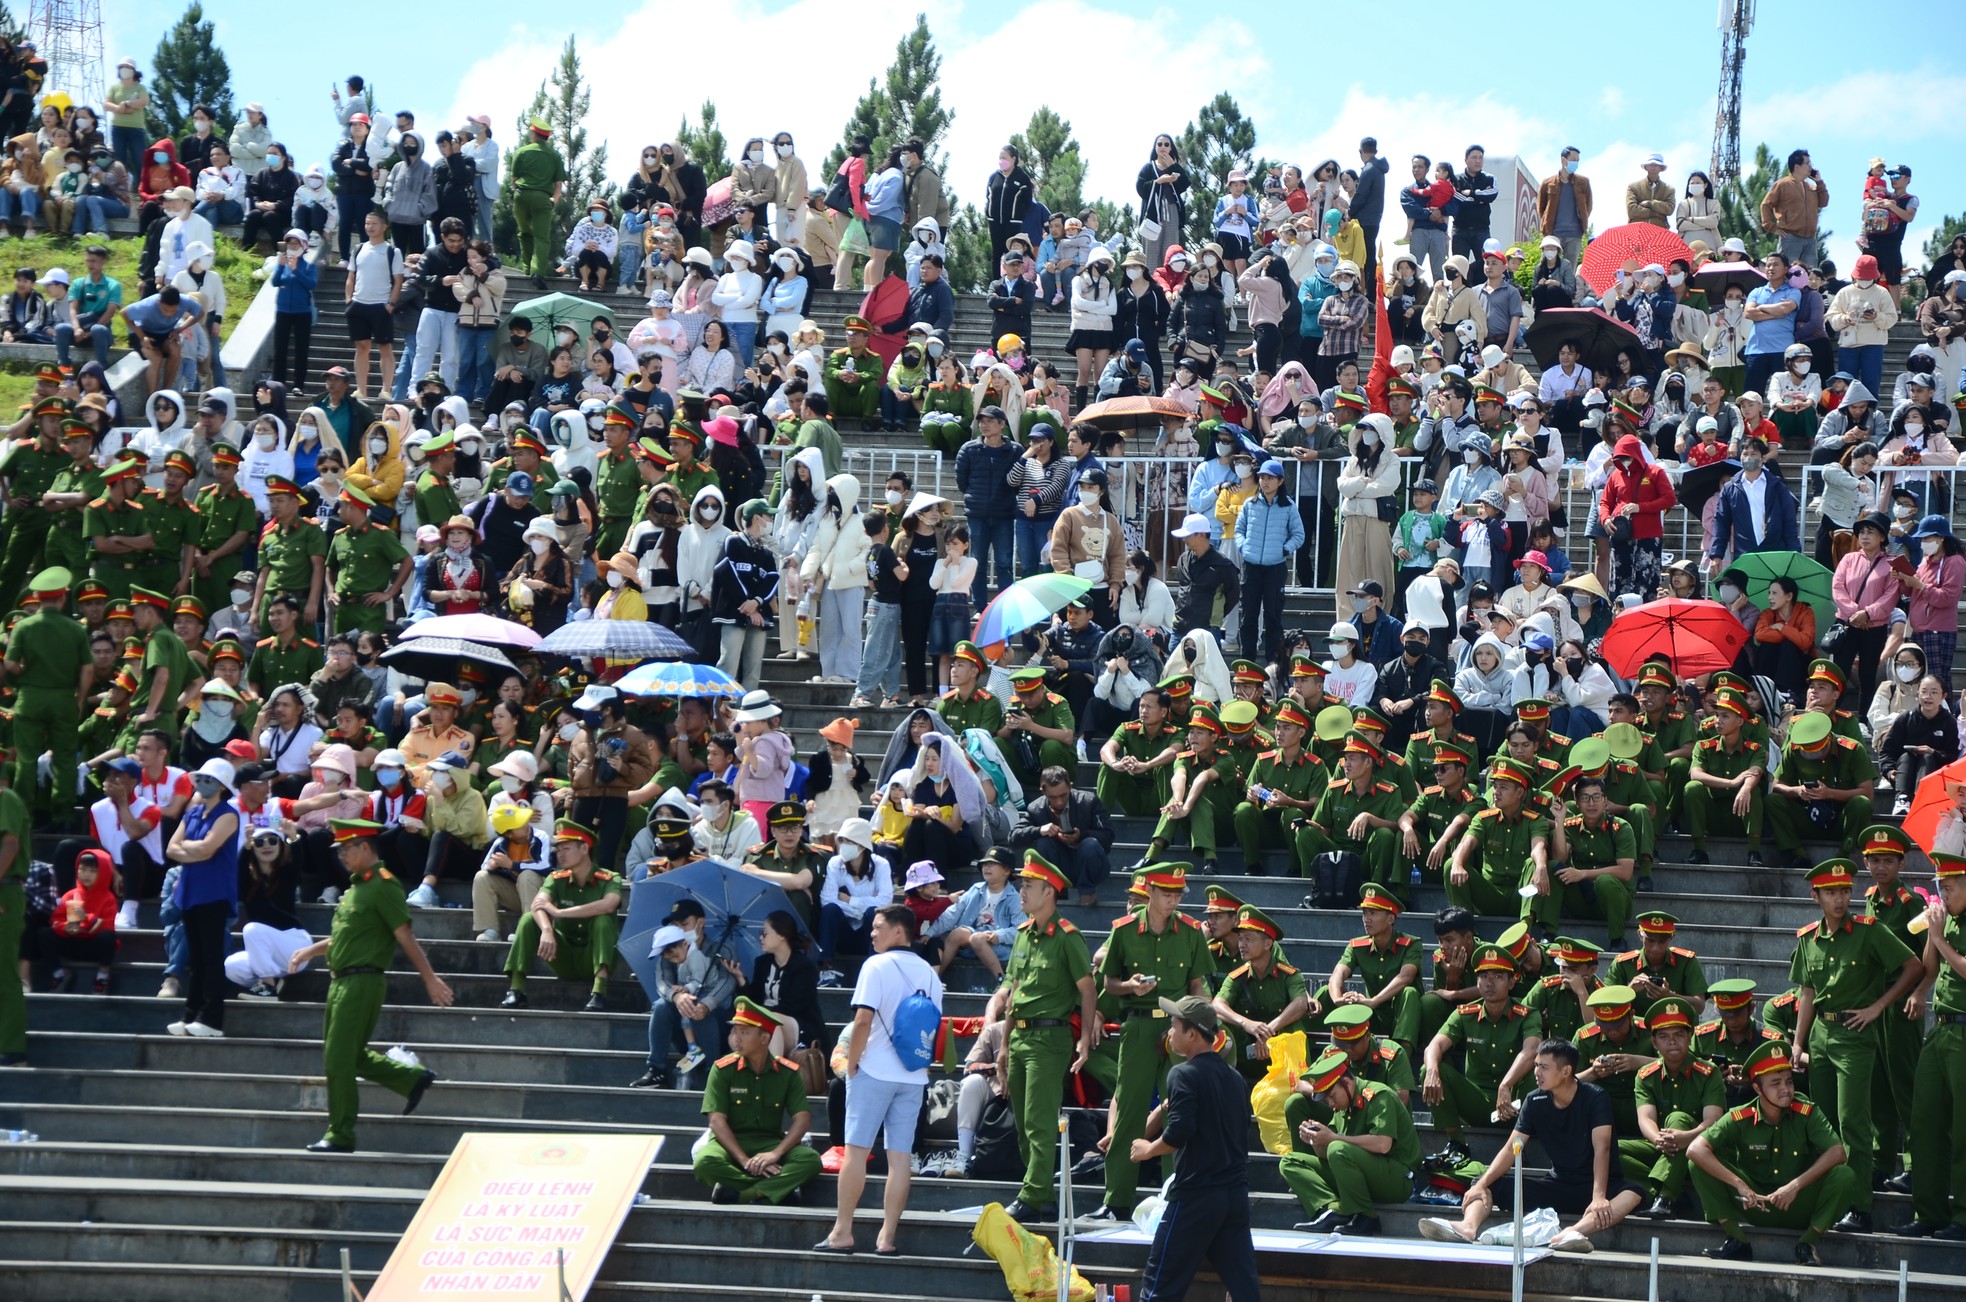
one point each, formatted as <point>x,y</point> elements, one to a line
<point>1856,107</point>
<point>1611,101</point>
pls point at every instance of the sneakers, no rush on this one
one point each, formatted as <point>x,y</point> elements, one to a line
<point>261,990</point>
<point>690,1061</point>
<point>200,1031</point>
<point>1901,806</point>
<point>423,897</point>
<point>126,916</point>
<point>176,1028</point>
<point>332,895</point>
<point>1441,1230</point>
<point>102,981</point>
<point>489,934</point>
<point>830,979</point>
<point>169,990</point>
<point>957,1167</point>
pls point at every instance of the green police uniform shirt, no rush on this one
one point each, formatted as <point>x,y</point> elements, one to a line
<point>1847,968</point>
<point>364,559</point>
<point>1375,967</point>
<point>173,525</point>
<point>1843,764</point>
<point>1388,1064</point>
<point>981,710</point>
<point>617,483</point>
<point>1505,843</point>
<point>1594,1042</point>
<point>1177,955</point>
<point>535,166</point>
<point>1673,730</point>
<point>1894,908</point>
<point>51,648</point>
<point>1680,974</point>
<point>1491,1043</point>
<point>30,468</point>
<point>1949,991</point>
<point>1692,1090</point>
<point>1601,846</point>
<point>1340,804</point>
<point>1714,759</point>
<point>1378,1111</point>
<point>436,500</point>
<point>85,479</point>
<point>1420,750</point>
<point>1625,785</point>
<point>1711,1041</point>
<point>1262,998</point>
<point>688,483</point>
<point>273,664</point>
<point>1302,779</point>
<point>1046,965</point>
<point>1222,794</point>
<point>1779,1015</point>
<point>287,552</point>
<point>14,821</point>
<point>1436,810</point>
<point>103,518</point>
<point>755,1103</point>
<point>365,923</point>
<point>164,653</point>
<point>223,512</point>
<point>1051,712</point>
<point>1562,1017</point>
<point>565,892</point>
<point>1769,1155</point>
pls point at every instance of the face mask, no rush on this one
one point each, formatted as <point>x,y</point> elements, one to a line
<point>74,168</point>
<point>206,787</point>
<point>1224,448</point>
<point>510,785</point>
<point>1676,279</point>
<point>1245,472</point>
<point>1697,188</point>
<point>1570,166</point>
<point>1728,592</point>
<point>614,579</point>
<point>1904,512</point>
<point>1906,673</point>
<point>1751,462</point>
<point>1735,307</point>
<point>240,596</point>
<point>219,708</point>
<point>378,446</point>
<point>389,777</point>
<point>1178,266</point>
<point>540,546</point>
<point>598,218</point>
<point>1914,429</point>
<point>1344,283</point>
<point>1338,649</point>
<point>597,423</point>
<point>1134,273</point>
<point>201,126</point>
<point>275,161</point>
<point>160,157</point>
<point>1931,546</point>
<point>1368,438</point>
<point>265,441</point>
<point>328,777</point>
<point>1579,600</point>
<point>1089,498</point>
<point>1133,576</point>
<point>1358,605</point>
<point>469,447</point>
<point>1209,260</point>
<point>1004,165</point>
<point>1800,366</point>
<point>757,157</point>
<point>1865,284</point>
<point>893,497</point>
<point>784,151</point>
<point>1471,457</point>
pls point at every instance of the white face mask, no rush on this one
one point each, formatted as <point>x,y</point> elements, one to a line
<point>1133,576</point>
<point>1343,283</point>
<point>219,708</point>
<point>1914,429</point>
<point>74,168</point>
<point>328,777</point>
<point>1676,279</point>
<point>1728,592</point>
<point>468,447</point>
<point>757,157</point>
<point>1696,187</point>
<point>540,546</point>
<point>568,731</point>
<point>1906,673</point>
<point>1338,650</point>
<point>785,151</point>
<point>1368,437</point>
<point>893,497</point>
<point>1245,472</point>
<point>614,579</point>
<point>1735,307</point>
<point>1089,498</point>
<point>440,782</point>
<point>1865,284</point>
<point>378,446</point>
<point>1472,457</point>
<point>510,784</point>
<point>1931,546</point>
<point>316,182</point>
<point>240,596</point>
<point>1800,366</point>
<point>1134,273</point>
<point>265,441</point>
<point>776,350</point>
<point>1209,259</point>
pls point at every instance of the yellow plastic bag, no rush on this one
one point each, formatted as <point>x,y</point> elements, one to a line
<point>1028,1261</point>
<point>1267,1096</point>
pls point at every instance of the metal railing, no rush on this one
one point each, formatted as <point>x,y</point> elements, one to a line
<point>871,466</point>
<point>1938,496</point>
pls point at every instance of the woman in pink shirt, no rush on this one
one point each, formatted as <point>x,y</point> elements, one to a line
<point>1934,591</point>
<point>764,755</point>
<point>1866,593</point>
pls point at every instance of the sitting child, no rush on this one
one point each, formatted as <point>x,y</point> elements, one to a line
<point>83,926</point>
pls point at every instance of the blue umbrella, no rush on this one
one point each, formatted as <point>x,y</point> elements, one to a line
<point>735,906</point>
<point>676,678</point>
<point>615,639</point>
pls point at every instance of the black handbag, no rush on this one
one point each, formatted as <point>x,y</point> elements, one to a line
<point>839,196</point>
<point>1388,507</point>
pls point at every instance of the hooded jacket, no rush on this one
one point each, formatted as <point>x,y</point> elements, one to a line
<point>255,464</point>
<point>154,178</point>
<point>698,552</point>
<point>381,478</point>
<point>839,547</point>
<point>1487,691</point>
<point>27,163</point>
<point>412,193</point>
<point>746,571</point>
<point>793,538</point>
<point>355,166</point>
<point>1633,480</point>
<point>159,440</point>
<point>294,286</point>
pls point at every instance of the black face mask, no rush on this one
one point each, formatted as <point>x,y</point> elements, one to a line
<point>1416,649</point>
<point>429,399</point>
<point>1575,664</point>
<point>601,333</point>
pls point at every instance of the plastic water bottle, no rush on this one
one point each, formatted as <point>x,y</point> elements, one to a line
<point>18,1136</point>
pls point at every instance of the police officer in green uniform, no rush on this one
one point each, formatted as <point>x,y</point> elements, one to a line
<point>1281,793</point>
<point>1627,795</point>
<point>1822,791</point>
<point>1778,1142</point>
<point>1048,980</point>
<point>1893,906</point>
<point>1038,728</point>
<point>1152,953</point>
<point>227,524</point>
<point>1610,1052</point>
<point>29,467</point>
<point>968,703</point>
<point>1136,765</point>
<point>1823,691</point>
<point>1261,997</point>
<point>1433,825</point>
<point>167,669</point>
<point>573,923</point>
<point>687,445</point>
<point>293,554</point>
<point>1727,1040</point>
<point>1356,814</point>
<point>758,1115</point>
<point>1507,848</point>
<point>370,566</point>
<point>1534,714</point>
<point>1377,1058</point>
<point>1658,967</point>
<point>1366,1154</point>
<point>436,498</point>
<point>1562,999</point>
<point>790,858</point>
<point>1218,924</point>
<point>536,172</point>
<point>173,527</point>
<point>118,528</point>
<point>1242,738</point>
<point>1723,787</point>
<point>1679,1096</point>
<point>1387,963</point>
<point>1672,731</point>
<point>617,481</point>
<point>49,667</point>
<point>1499,1037</point>
<point>15,851</point>
<point>1938,1099</point>
<point>1849,972</point>
<point>1439,710</point>
<point>853,376</point>
<point>1597,882</point>
<point>74,486</point>
<point>525,454</point>
<point>1202,795</point>
<point>370,921</point>
<point>285,657</point>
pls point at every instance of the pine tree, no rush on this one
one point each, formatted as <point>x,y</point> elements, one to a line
<point>187,70</point>
<point>968,266</point>
<point>905,104</point>
<point>706,144</point>
<point>561,103</point>
<point>1941,238</point>
<point>1051,156</point>
<point>1219,141</point>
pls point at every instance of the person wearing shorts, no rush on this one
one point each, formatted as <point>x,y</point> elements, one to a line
<point>882,1095</point>
<point>1571,1119</point>
<point>375,283</point>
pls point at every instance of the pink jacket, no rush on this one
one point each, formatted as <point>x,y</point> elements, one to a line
<point>1862,583</point>
<point>1935,607</point>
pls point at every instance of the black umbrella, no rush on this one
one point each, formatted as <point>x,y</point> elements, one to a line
<point>1715,277</point>
<point>1597,336</point>
<point>435,659</point>
<point>1702,482</point>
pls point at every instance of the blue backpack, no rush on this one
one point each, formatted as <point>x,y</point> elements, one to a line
<point>916,1022</point>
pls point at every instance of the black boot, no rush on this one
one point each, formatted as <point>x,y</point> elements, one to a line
<point>1730,1250</point>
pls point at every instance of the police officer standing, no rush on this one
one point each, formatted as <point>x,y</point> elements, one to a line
<point>1938,1100</point>
<point>370,921</point>
<point>48,666</point>
<point>370,564</point>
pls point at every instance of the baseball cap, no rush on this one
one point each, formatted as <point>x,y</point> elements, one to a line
<point>1191,524</point>
<point>1195,1011</point>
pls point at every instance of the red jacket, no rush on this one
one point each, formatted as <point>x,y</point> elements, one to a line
<point>153,179</point>
<point>1634,479</point>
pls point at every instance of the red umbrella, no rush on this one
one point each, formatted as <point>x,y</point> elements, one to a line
<point>1607,254</point>
<point>1698,637</point>
<point>1932,801</point>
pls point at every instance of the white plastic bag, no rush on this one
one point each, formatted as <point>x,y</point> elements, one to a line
<point>1147,1212</point>
<point>404,1054</point>
<point>1538,1229</point>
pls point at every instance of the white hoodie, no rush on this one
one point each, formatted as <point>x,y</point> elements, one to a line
<point>255,464</point>
<point>156,442</point>
<point>790,538</point>
<point>699,549</point>
<point>839,547</point>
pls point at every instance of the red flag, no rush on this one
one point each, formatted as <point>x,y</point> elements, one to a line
<point>1382,350</point>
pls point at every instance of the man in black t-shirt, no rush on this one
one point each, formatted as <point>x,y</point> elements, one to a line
<point>1572,1122</point>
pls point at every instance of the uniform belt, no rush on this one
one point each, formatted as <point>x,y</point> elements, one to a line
<point>1950,1019</point>
<point>126,564</point>
<point>1036,1023</point>
<point>355,971</point>
<point>1132,1013</point>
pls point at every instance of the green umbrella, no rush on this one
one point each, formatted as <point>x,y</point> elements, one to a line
<point>1809,576</point>
<point>551,310</point>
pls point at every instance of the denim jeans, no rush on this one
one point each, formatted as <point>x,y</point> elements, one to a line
<point>1866,362</point>
<point>406,355</point>
<point>1032,535</point>
<point>840,934</point>
<point>482,223</point>
<point>990,539</point>
<point>744,338</point>
<point>436,331</point>
<point>177,950</point>
<point>223,212</point>
<point>127,143</point>
<point>99,337</point>
<point>349,214</point>
<point>93,211</point>
<point>880,658</point>
<point>26,205</point>
<point>841,611</point>
<point>666,1037</point>
<point>474,361</point>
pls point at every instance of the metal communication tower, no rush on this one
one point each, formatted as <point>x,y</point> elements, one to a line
<point>1736,17</point>
<point>68,34</point>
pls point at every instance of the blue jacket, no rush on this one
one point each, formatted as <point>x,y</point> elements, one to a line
<point>1409,203</point>
<point>1733,520</point>
<point>1381,637</point>
<point>1310,297</point>
<point>296,288</point>
<point>983,476</point>
<point>1267,532</point>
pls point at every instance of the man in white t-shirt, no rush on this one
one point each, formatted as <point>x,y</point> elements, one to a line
<point>375,282</point>
<point>881,1094</point>
<point>128,827</point>
<point>158,781</point>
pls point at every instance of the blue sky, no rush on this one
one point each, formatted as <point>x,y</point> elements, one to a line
<point>1617,90</point>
